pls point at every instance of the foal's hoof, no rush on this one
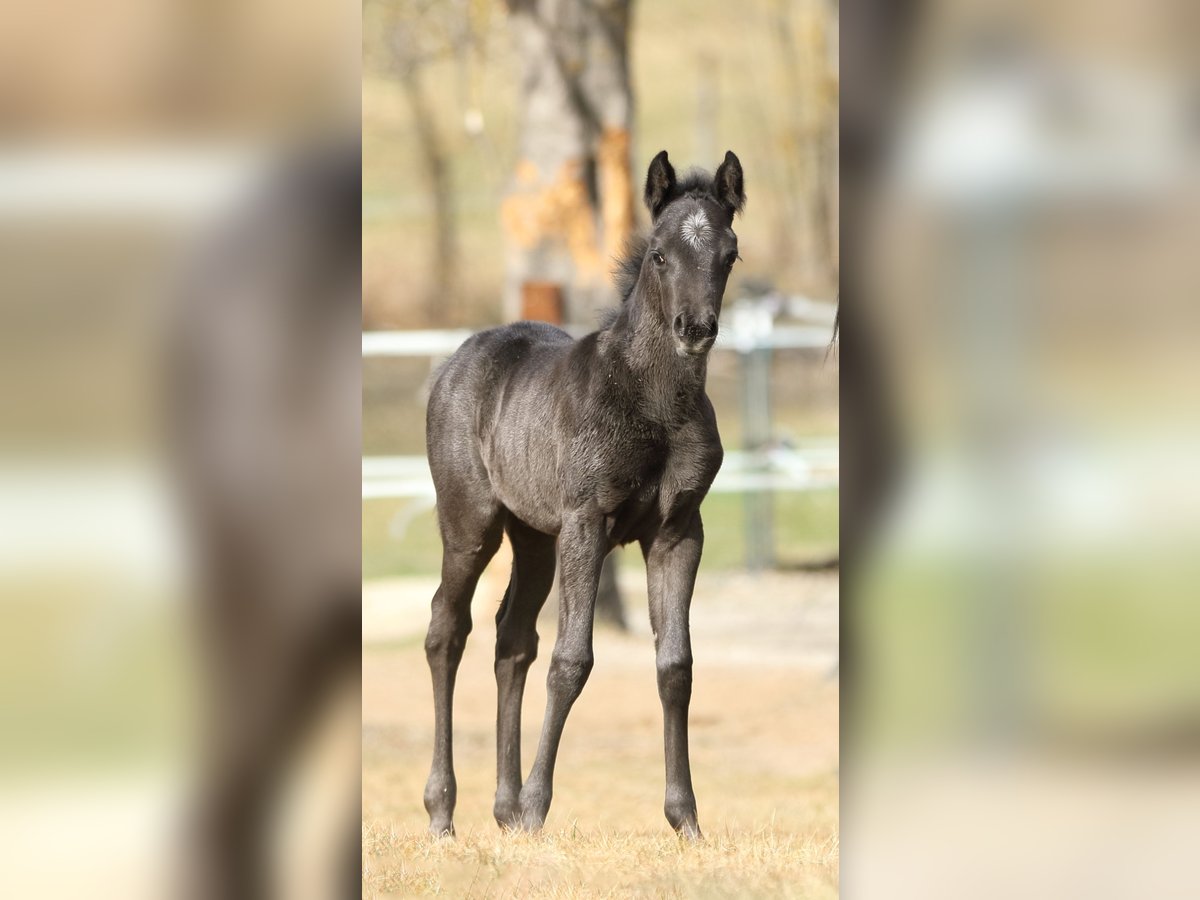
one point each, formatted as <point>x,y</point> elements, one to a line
<point>534,805</point>
<point>531,821</point>
<point>442,830</point>
<point>507,814</point>
<point>682,816</point>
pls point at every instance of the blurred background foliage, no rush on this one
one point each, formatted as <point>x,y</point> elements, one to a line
<point>759,78</point>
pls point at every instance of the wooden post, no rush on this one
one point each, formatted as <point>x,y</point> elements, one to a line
<point>542,301</point>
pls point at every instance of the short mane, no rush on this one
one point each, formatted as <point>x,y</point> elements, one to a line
<point>629,265</point>
<point>695,183</point>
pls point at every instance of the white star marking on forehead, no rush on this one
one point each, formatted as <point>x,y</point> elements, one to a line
<point>696,230</point>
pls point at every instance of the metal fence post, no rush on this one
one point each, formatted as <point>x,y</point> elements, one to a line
<point>756,438</point>
<point>756,322</point>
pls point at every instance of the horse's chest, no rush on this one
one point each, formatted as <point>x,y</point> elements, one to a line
<point>645,491</point>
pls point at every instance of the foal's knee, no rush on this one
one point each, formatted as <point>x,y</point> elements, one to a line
<point>675,679</point>
<point>569,672</point>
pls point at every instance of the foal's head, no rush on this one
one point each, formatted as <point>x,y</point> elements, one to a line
<point>692,248</point>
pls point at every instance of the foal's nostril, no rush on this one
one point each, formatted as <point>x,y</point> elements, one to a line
<point>695,330</point>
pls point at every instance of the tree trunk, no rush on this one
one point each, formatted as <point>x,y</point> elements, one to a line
<point>570,209</point>
<point>802,31</point>
<point>437,168</point>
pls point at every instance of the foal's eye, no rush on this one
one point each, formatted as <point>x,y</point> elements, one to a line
<point>730,258</point>
<point>658,258</point>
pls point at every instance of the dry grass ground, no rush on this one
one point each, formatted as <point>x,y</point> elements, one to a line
<point>764,723</point>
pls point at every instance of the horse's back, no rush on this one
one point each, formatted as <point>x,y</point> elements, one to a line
<point>485,361</point>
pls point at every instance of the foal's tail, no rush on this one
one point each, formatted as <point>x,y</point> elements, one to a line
<point>837,327</point>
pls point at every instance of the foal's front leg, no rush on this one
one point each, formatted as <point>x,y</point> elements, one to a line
<point>582,546</point>
<point>672,559</point>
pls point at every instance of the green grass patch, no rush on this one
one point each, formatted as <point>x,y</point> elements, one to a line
<point>399,539</point>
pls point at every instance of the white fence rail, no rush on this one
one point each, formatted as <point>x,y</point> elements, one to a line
<point>811,467</point>
<point>746,328</point>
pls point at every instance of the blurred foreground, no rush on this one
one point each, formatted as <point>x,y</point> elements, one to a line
<point>1026,713</point>
<point>179,604</point>
<point>138,146</point>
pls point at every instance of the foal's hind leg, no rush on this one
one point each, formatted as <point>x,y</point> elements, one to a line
<point>516,649</point>
<point>470,537</point>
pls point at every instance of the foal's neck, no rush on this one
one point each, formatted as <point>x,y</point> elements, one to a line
<point>667,384</point>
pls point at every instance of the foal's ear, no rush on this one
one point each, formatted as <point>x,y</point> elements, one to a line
<point>660,184</point>
<point>728,184</point>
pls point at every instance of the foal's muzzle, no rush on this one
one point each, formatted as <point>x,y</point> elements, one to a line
<point>694,336</point>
